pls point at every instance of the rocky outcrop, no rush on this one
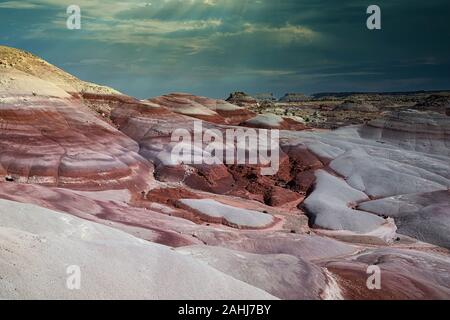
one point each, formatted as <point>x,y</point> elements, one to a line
<point>242,99</point>
<point>217,212</point>
<point>293,97</point>
<point>396,155</point>
<point>49,136</point>
<point>284,276</point>
<point>265,97</point>
<point>415,122</point>
<point>61,143</point>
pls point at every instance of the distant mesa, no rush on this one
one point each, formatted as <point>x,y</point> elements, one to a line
<point>242,99</point>
<point>265,97</point>
<point>217,212</point>
<point>294,97</point>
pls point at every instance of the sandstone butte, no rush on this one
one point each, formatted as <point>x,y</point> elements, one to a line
<point>86,180</point>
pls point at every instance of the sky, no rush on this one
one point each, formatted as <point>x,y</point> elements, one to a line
<point>214,47</point>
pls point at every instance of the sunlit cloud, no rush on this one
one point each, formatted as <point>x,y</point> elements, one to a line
<point>19,5</point>
<point>146,47</point>
<point>122,23</point>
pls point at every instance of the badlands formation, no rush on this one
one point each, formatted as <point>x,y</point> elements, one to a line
<point>87,180</point>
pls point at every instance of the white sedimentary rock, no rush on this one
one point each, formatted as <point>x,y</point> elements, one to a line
<point>330,203</point>
<point>424,216</point>
<point>38,245</point>
<point>237,216</point>
<point>282,275</point>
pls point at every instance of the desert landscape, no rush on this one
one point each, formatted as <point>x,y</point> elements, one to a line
<point>86,180</point>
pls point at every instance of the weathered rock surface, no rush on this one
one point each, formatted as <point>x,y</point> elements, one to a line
<point>112,264</point>
<point>391,174</point>
<point>212,110</point>
<point>424,216</point>
<point>272,121</point>
<point>405,274</point>
<point>218,212</point>
<point>425,132</point>
<point>330,206</point>
<point>435,102</point>
<point>61,143</point>
<point>38,71</point>
<point>401,154</point>
<point>48,137</point>
<point>157,223</point>
<point>242,99</point>
<point>152,127</point>
<point>304,246</point>
<point>263,97</point>
<point>284,276</point>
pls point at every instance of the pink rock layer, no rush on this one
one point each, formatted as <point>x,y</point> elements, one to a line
<point>58,142</point>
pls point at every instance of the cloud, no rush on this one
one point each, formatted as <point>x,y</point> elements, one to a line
<point>147,47</point>
<point>18,5</point>
<point>206,30</point>
<point>287,33</point>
